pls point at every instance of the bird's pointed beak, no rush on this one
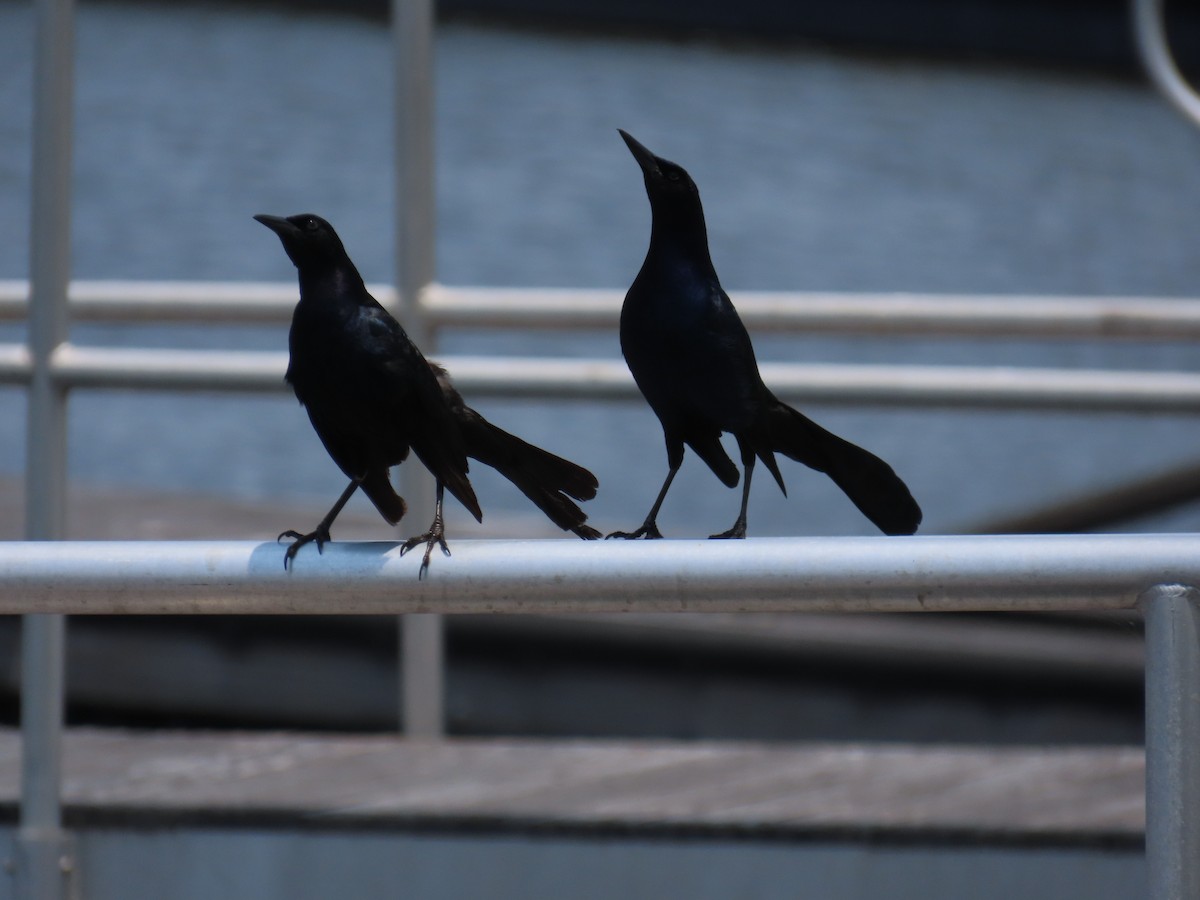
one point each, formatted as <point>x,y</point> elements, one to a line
<point>277,224</point>
<point>647,160</point>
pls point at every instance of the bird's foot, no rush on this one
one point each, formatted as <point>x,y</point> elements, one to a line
<point>434,537</point>
<point>587,532</point>
<point>320,537</point>
<point>649,531</point>
<point>737,533</point>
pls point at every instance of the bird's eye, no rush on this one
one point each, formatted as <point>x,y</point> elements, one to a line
<point>310,223</point>
<point>672,176</point>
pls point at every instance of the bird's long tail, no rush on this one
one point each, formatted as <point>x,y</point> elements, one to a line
<point>867,480</point>
<point>548,480</point>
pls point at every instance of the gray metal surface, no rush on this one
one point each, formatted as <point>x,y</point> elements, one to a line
<point>1172,736</point>
<point>43,848</point>
<point>975,315</point>
<point>998,387</point>
<point>964,315</point>
<point>993,387</point>
<point>955,573</point>
<point>421,639</point>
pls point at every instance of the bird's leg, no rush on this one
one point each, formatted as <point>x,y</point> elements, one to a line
<point>738,530</point>
<point>649,529</point>
<point>320,534</point>
<point>436,535</point>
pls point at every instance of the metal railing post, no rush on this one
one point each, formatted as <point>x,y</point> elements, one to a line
<point>43,864</point>
<point>421,638</point>
<point>1172,615</point>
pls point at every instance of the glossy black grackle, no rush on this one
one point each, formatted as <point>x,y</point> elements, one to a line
<point>691,357</point>
<point>371,396</point>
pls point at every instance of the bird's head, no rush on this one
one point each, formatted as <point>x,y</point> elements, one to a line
<point>665,180</point>
<point>309,240</point>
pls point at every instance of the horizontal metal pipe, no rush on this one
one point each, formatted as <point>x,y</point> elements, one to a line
<point>893,313</point>
<point>912,314</point>
<point>1005,573</point>
<point>212,302</point>
<point>604,379</point>
<point>16,364</point>
<point>161,369</point>
<point>882,385</point>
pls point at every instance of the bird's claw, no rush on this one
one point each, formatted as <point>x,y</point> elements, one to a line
<point>320,537</point>
<point>649,531</point>
<point>431,539</point>
<point>736,533</point>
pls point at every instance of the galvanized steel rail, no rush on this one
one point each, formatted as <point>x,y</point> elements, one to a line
<point>1006,573</point>
<point>42,844</point>
<point>71,366</point>
<point>827,312</point>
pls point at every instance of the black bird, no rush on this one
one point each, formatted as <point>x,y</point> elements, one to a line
<point>371,396</point>
<point>691,357</point>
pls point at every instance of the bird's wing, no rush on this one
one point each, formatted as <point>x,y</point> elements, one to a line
<point>410,389</point>
<point>721,367</point>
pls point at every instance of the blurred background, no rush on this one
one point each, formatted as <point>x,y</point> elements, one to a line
<point>978,148</point>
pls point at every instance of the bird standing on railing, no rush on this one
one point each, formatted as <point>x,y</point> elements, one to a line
<point>371,396</point>
<point>691,357</point>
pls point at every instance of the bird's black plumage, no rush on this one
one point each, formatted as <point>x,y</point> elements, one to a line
<point>692,358</point>
<point>371,397</point>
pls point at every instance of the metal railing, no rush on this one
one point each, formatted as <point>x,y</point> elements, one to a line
<point>44,582</point>
<point>1155,573</point>
<point>42,844</point>
<point>439,306</point>
<point>1118,318</point>
<point>958,573</point>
